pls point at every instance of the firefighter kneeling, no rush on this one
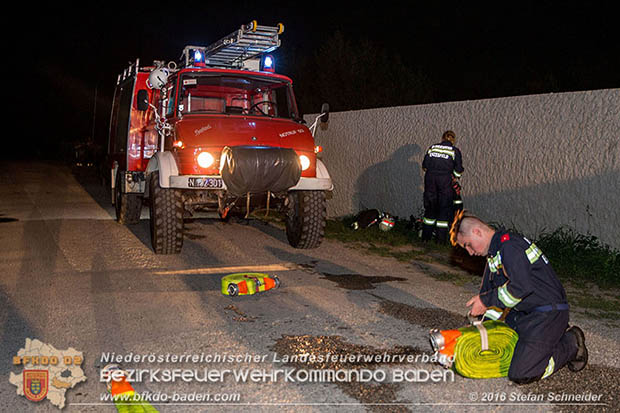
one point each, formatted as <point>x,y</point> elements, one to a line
<point>519,281</point>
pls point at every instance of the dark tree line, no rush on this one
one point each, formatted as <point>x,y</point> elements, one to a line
<point>352,75</point>
<point>361,74</point>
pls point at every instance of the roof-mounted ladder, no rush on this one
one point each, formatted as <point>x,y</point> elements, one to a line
<point>245,43</point>
<point>131,70</point>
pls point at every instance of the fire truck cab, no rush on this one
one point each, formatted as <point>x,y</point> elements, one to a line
<point>218,132</point>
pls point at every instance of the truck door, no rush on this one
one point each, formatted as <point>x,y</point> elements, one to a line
<point>119,126</point>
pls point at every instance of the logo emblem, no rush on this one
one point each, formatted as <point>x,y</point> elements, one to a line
<point>36,384</point>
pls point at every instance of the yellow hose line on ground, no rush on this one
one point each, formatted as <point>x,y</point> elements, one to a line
<point>134,405</point>
<point>470,361</point>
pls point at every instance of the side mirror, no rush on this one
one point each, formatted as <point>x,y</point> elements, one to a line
<point>325,112</point>
<point>143,100</point>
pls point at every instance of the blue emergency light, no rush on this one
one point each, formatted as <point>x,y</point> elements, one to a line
<point>268,63</point>
<point>198,58</point>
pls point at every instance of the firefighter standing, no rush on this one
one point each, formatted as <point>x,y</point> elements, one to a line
<point>519,278</point>
<point>442,163</point>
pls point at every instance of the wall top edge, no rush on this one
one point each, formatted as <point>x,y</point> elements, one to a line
<point>462,102</point>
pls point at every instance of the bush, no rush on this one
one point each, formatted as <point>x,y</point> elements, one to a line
<point>578,257</point>
<point>575,257</point>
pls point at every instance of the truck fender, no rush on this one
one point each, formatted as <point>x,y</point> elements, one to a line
<point>322,182</point>
<point>321,170</point>
<point>165,164</point>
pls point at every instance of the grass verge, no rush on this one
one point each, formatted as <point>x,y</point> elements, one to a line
<point>581,258</point>
<point>589,269</point>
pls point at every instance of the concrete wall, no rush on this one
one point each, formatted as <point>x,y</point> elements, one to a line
<point>536,162</point>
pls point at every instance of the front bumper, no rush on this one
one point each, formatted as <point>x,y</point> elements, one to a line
<point>216,183</point>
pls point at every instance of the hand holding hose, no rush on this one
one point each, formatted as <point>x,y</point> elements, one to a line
<point>477,307</point>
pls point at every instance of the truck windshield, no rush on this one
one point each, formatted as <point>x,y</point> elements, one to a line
<point>235,94</point>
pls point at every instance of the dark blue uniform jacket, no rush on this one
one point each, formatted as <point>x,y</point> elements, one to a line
<point>443,158</point>
<point>518,275</point>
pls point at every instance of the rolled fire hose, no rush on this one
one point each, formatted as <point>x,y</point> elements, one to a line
<point>480,351</point>
<point>472,360</point>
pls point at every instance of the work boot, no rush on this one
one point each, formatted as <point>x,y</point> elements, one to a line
<point>581,358</point>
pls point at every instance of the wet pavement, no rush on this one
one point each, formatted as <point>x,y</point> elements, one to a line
<point>358,281</point>
<point>72,277</point>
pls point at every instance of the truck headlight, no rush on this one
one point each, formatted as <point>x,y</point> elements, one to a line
<point>205,159</point>
<point>305,162</point>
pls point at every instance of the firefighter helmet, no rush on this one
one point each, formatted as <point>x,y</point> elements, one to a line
<point>158,78</point>
<point>387,223</point>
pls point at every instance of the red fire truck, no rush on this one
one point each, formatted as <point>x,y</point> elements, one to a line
<point>217,132</point>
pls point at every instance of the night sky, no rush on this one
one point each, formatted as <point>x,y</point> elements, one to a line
<point>467,50</point>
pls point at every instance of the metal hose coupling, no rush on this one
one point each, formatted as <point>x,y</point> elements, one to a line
<point>437,340</point>
<point>438,343</point>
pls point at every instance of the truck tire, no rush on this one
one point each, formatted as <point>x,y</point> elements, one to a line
<point>305,218</point>
<point>128,206</point>
<point>166,217</point>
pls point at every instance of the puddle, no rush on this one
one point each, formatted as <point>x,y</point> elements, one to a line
<point>358,281</point>
<point>348,281</point>
<point>339,352</point>
<point>423,317</point>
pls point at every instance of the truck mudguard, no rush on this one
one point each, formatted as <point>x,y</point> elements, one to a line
<point>322,182</point>
<point>164,163</point>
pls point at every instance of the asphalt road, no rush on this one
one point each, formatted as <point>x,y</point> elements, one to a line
<point>72,277</point>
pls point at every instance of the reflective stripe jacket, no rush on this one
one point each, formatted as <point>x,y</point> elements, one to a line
<point>443,158</point>
<point>518,275</point>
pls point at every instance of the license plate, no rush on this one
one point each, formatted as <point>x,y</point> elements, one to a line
<point>205,183</point>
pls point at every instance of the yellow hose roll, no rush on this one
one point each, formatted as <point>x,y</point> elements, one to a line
<point>469,359</point>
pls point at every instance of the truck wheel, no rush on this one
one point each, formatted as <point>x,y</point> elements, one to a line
<point>128,206</point>
<point>305,218</point>
<point>166,218</point>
